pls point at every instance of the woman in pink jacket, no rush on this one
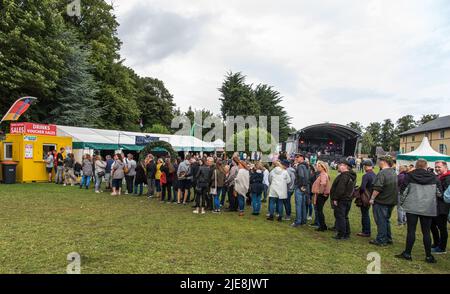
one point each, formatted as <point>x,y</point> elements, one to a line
<point>321,191</point>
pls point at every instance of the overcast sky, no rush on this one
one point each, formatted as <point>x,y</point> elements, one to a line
<point>335,61</point>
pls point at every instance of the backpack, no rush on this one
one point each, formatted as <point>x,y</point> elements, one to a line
<point>447,195</point>
<point>163,178</point>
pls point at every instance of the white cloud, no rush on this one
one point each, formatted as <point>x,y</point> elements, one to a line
<point>362,60</point>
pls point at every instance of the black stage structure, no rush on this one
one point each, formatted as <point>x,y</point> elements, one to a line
<point>329,141</point>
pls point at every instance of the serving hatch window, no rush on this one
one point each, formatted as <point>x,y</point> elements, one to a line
<point>47,148</point>
<point>8,151</point>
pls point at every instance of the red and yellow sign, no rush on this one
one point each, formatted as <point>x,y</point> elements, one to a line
<point>26,128</point>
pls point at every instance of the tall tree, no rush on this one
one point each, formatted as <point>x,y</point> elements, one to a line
<point>32,53</point>
<point>367,144</point>
<point>237,97</point>
<point>269,101</point>
<point>404,124</point>
<point>427,118</point>
<point>374,130</point>
<point>154,101</point>
<point>356,125</point>
<point>75,103</point>
<point>387,135</point>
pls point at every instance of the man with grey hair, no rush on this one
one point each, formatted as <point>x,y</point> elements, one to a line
<point>439,223</point>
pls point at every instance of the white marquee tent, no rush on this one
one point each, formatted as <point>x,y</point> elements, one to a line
<point>98,139</point>
<point>424,151</point>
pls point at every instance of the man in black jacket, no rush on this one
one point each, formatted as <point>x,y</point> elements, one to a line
<point>301,190</point>
<point>341,196</point>
<point>439,223</point>
<point>150,166</point>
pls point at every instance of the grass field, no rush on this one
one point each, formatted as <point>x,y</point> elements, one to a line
<point>41,223</point>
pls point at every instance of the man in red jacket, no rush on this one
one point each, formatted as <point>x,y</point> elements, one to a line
<point>439,223</point>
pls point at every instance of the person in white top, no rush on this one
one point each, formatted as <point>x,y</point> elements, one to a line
<point>242,185</point>
<point>279,179</point>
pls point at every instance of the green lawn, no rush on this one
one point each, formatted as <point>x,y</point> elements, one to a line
<point>41,223</point>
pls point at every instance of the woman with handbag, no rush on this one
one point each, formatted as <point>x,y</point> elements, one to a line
<point>363,201</point>
<point>100,167</point>
<point>321,191</point>
<point>203,180</point>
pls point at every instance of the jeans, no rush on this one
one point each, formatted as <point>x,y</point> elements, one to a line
<point>287,204</point>
<point>141,188</point>
<point>219,198</point>
<point>439,230</point>
<point>241,201</point>
<point>59,175</point>
<point>425,224</point>
<point>320,203</point>
<point>365,220</point>
<point>401,214</point>
<point>151,186</point>
<point>382,215</point>
<point>266,191</point>
<point>275,203</point>
<point>108,180</point>
<point>300,207</point>
<point>98,182</point>
<point>256,202</point>
<point>223,194</point>
<point>85,180</point>
<point>341,212</point>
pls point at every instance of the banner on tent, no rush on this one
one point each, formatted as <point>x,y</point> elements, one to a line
<point>145,140</point>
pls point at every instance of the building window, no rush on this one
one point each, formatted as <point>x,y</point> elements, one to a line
<point>443,148</point>
<point>47,148</point>
<point>412,148</point>
<point>404,139</point>
<point>413,138</point>
<point>7,151</point>
<point>442,135</point>
<point>403,149</point>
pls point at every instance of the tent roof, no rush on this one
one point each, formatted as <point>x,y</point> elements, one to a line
<point>424,151</point>
<point>114,139</point>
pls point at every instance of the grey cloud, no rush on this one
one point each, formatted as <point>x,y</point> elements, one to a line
<point>150,35</point>
<point>342,95</point>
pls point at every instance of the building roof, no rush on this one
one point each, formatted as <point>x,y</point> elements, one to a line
<point>437,124</point>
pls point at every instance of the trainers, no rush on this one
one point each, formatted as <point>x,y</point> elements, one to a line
<point>197,211</point>
<point>287,218</point>
<point>430,259</point>
<point>203,211</point>
<point>309,218</point>
<point>65,185</point>
<point>98,192</point>
<point>437,250</point>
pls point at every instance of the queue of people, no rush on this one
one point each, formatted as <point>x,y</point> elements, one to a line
<point>208,182</point>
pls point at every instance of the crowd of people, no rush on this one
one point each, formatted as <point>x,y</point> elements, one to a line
<point>210,182</point>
